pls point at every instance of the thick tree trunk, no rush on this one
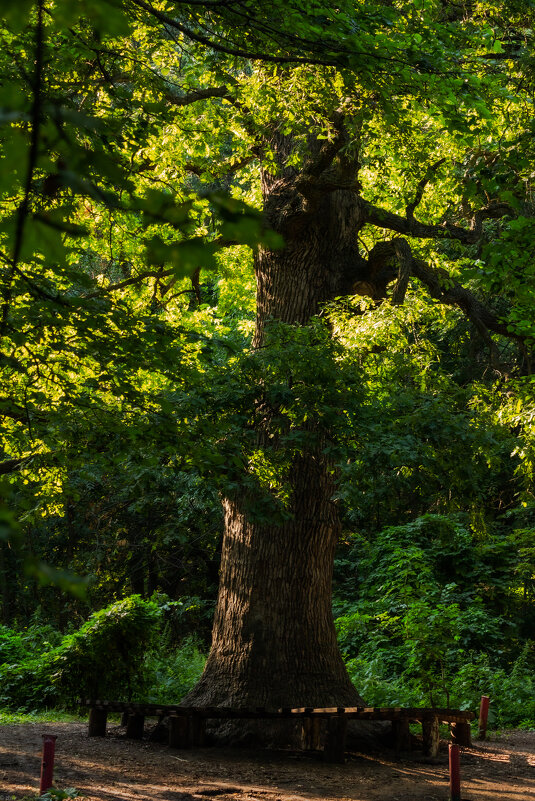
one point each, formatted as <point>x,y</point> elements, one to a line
<point>274,641</point>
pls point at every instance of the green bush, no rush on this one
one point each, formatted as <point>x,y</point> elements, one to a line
<point>378,686</point>
<point>512,693</point>
<point>16,646</point>
<point>13,646</point>
<point>104,658</point>
<point>434,620</point>
<point>174,671</point>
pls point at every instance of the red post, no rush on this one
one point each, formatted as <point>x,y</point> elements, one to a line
<point>47,762</point>
<point>483,717</point>
<point>455,774</point>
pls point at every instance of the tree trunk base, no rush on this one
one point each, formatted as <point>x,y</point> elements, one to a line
<point>362,735</point>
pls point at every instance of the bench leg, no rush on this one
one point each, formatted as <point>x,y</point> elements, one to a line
<point>461,733</point>
<point>197,731</point>
<point>312,734</point>
<point>124,718</point>
<point>97,722</point>
<point>335,742</point>
<point>179,734</point>
<point>134,726</point>
<point>402,734</point>
<point>431,736</point>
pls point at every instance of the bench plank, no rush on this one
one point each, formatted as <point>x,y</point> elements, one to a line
<point>362,713</point>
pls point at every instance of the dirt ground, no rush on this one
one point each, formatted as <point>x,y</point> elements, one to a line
<point>110,769</point>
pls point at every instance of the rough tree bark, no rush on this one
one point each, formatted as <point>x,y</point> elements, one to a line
<point>274,641</point>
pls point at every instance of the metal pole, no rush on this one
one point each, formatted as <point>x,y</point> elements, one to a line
<point>483,717</point>
<point>47,762</point>
<point>455,774</point>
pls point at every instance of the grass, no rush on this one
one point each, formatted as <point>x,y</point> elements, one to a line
<point>39,716</point>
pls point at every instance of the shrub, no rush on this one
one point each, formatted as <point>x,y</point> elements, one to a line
<point>174,672</point>
<point>104,658</point>
<point>13,645</point>
<point>512,693</point>
<point>435,619</point>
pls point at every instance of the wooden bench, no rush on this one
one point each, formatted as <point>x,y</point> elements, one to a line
<point>187,724</point>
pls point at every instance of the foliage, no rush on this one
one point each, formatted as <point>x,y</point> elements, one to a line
<point>131,397</point>
<point>55,794</point>
<point>120,200</point>
<point>26,646</point>
<point>510,691</point>
<point>104,658</point>
<point>13,647</point>
<point>173,671</point>
<point>125,651</point>
<point>425,624</point>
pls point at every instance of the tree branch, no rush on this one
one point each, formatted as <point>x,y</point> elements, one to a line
<point>24,207</point>
<point>232,51</point>
<point>445,289</point>
<point>12,465</point>
<point>431,170</point>
<point>197,94</point>
<point>198,169</point>
<point>253,55</point>
<point>409,226</point>
<point>136,279</point>
<point>320,51</point>
<point>438,282</point>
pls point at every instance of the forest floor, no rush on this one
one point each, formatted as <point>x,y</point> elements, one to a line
<point>116,769</point>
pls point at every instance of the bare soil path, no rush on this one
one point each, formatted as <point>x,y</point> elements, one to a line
<point>116,769</point>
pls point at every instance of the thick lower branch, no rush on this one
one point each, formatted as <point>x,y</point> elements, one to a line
<point>444,288</point>
<point>409,226</point>
<point>393,260</point>
<point>197,94</point>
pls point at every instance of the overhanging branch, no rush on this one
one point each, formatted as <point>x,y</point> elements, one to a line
<point>409,226</point>
<point>136,279</point>
<point>420,189</point>
<point>445,289</point>
<point>438,282</point>
<point>317,51</point>
<point>228,169</point>
<point>196,95</point>
<point>253,55</point>
<point>12,465</point>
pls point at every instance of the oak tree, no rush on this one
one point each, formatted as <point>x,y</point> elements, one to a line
<point>385,147</point>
